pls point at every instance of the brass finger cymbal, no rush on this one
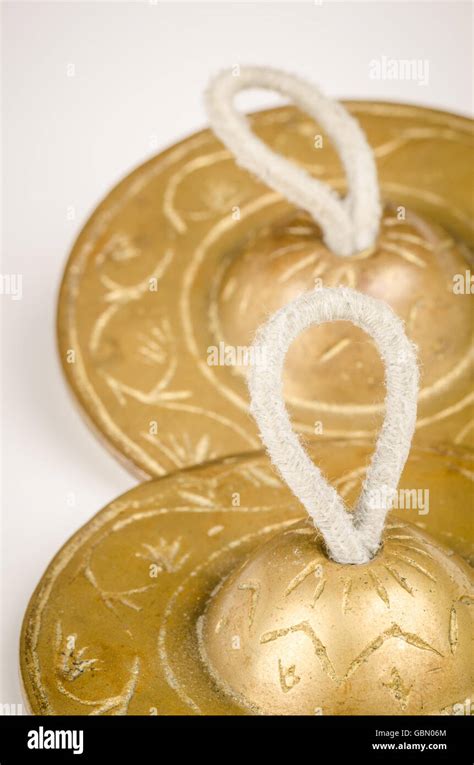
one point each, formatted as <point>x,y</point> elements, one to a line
<point>186,257</point>
<point>148,607</point>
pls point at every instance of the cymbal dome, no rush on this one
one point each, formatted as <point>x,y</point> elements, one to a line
<point>411,267</point>
<point>292,632</point>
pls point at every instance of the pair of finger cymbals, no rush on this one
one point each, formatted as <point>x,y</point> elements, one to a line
<point>177,267</point>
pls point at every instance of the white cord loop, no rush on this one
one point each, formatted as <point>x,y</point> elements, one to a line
<point>350,538</point>
<point>348,225</point>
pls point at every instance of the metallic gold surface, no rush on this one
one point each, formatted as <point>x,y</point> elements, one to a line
<point>291,632</point>
<point>113,626</point>
<point>190,252</point>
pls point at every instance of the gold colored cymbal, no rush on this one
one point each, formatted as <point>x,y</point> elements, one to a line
<point>131,615</point>
<point>183,260</point>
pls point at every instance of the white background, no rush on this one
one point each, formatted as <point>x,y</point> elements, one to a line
<point>140,69</point>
